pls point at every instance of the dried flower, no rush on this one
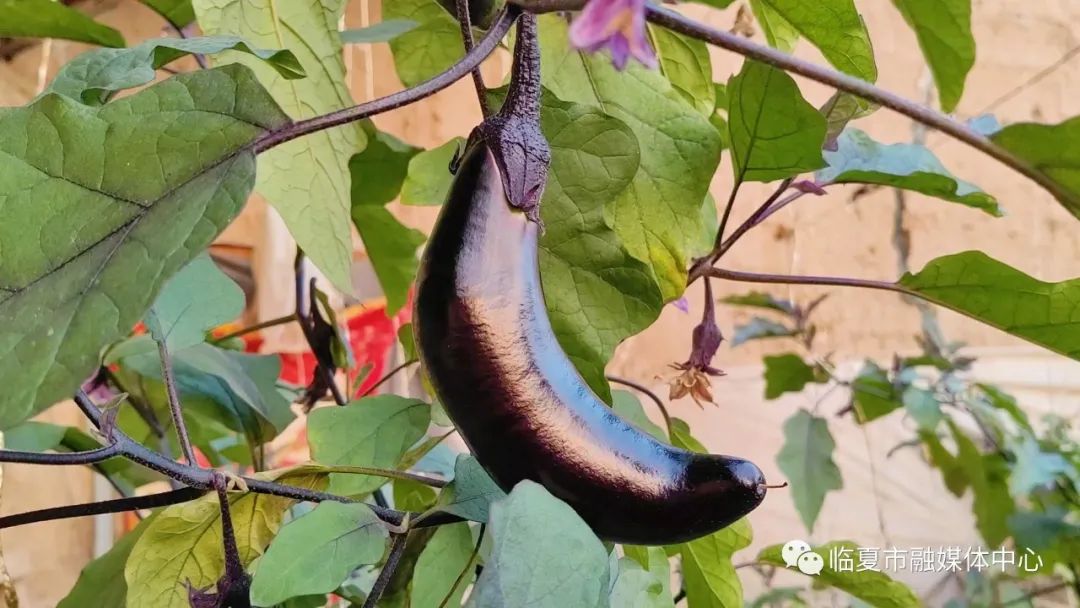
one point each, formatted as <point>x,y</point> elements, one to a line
<point>618,25</point>
<point>694,379</point>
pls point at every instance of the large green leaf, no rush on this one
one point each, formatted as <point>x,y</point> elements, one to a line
<point>636,587</point>
<point>51,19</point>
<point>428,179</point>
<point>807,462</point>
<point>306,180</point>
<point>471,492</point>
<point>943,28</point>
<point>686,64</point>
<point>778,32</point>
<point>177,12</point>
<point>316,552</point>
<point>854,577</point>
<point>628,407</point>
<point>873,394</point>
<point>431,47</point>
<point>788,373</point>
<point>101,206</point>
<point>199,298</point>
<point>709,576</point>
<point>445,557</point>
<point>183,544</point>
<point>836,29</point>
<point>988,476</point>
<point>372,432</point>
<point>987,290</point>
<point>774,133</point>
<point>861,160</point>
<point>95,75</point>
<point>544,556</point>
<point>597,294</point>
<point>101,582</point>
<point>658,217</point>
<point>1052,150</point>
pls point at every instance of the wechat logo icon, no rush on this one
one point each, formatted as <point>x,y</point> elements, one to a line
<point>797,554</point>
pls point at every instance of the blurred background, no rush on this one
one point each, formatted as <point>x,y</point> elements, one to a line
<point>1025,71</point>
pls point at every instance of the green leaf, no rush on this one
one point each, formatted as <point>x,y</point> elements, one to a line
<point>999,399</point>
<point>42,436</point>
<point>807,461</point>
<point>836,29</point>
<point>681,437</point>
<point>788,373</point>
<point>952,472</point>
<point>871,586</point>
<point>177,12</point>
<point>90,182</point>
<point>859,159</point>
<point>636,587</point>
<point>757,299</point>
<point>987,473</point>
<point>658,217</point>
<point>873,394</point>
<point>445,557</point>
<point>654,560</point>
<point>95,75</point>
<point>471,492</point>
<point>199,298</point>
<point>373,432</point>
<point>317,551</point>
<point>943,28</point>
<point>597,295</point>
<point>1052,151</point>
<point>101,582</point>
<point>543,555</point>
<point>774,132</point>
<point>628,407</point>
<point>307,179</point>
<point>377,176</point>
<point>974,284</point>
<point>183,543</point>
<point>685,63</point>
<point>413,496</point>
<point>1035,468</point>
<point>759,328</point>
<point>923,407</point>
<point>383,31</point>
<point>50,19</point>
<point>709,576</point>
<point>431,47</point>
<point>428,179</point>
<point>778,32</point>
<point>839,110</point>
<point>34,437</point>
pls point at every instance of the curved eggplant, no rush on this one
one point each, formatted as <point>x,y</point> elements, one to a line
<point>486,343</point>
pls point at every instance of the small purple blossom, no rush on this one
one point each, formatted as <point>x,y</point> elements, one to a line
<point>682,304</point>
<point>618,25</point>
<point>807,186</point>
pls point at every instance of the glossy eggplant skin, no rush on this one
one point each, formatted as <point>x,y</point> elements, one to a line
<point>487,345</point>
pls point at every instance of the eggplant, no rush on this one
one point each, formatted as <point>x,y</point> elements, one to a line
<point>487,346</point>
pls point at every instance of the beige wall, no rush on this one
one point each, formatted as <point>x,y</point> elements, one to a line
<point>1016,39</point>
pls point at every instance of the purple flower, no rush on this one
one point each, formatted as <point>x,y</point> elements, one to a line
<point>682,304</point>
<point>617,24</point>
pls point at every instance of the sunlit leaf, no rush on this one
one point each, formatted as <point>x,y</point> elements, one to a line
<point>1052,150</point>
<point>836,29</point>
<point>430,47</point>
<point>943,28</point>
<point>428,178</point>
<point>778,32</point>
<point>686,64</point>
<point>51,19</point>
<point>709,575</point>
<point>101,582</point>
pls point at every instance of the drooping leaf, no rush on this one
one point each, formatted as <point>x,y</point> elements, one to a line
<point>658,217</point>
<point>807,462</point>
<point>839,110</point>
<point>872,586</point>
<point>836,29</point>
<point>101,582</point>
<point>757,299</point>
<point>317,551</point>
<point>778,32</point>
<point>95,75</point>
<point>943,28</point>
<point>429,48</point>
<point>628,407</point>
<point>50,19</point>
<point>199,298</point>
<point>988,475</point>
<point>685,63</point>
<point>444,558</point>
<point>543,555</point>
<point>788,373</point>
<point>383,31</point>
<point>952,473</point>
<point>759,328</point>
<point>183,543</point>
<point>709,575</point>
<point>97,174</point>
<point>1052,150</point>
<point>307,179</point>
<point>372,432</point>
<point>859,159</point>
<point>428,179</point>
<point>177,12</point>
<point>471,493</point>
<point>873,394</point>
<point>774,133</point>
<point>974,284</point>
<point>636,587</point>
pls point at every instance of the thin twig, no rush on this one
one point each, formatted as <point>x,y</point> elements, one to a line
<point>69,458</point>
<point>641,388</point>
<point>175,408</point>
<point>723,245</point>
<point>434,482</point>
<point>388,375</point>
<point>467,38</point>
<point>483,48</point>
<point>243,331</point>
<point>468,566</point>
<point>117,505</point>
<point>397,549</point>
